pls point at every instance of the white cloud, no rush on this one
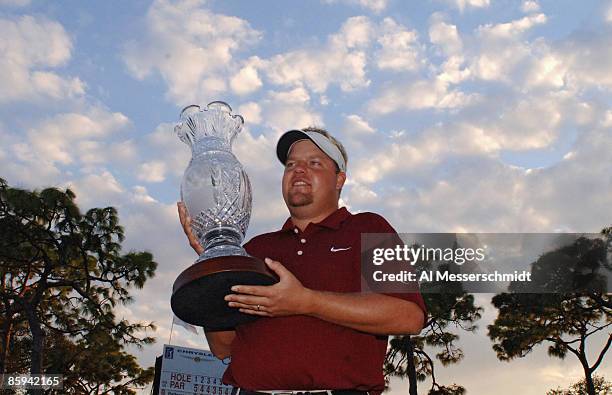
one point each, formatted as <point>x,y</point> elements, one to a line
<point>419,95</point>
<point>354,124</point>
<point>52,149</point>
<point>285,110</point>
<point>451,177</point>
<point>588,59</point>
<point>192,48</point>
<point>28,170</point>
<point>375,6</point>
<point>66,146</point>
<point>419,153</point>
<point>530,123</point>
<point>251,112</point>
<point>579,61</point>
<point>55,86</point>
<point>463,4</point>
<point>355,32</point>
<point>152,171</point>
<point>580,181</point>
<point>165,147</point>
<point>513,28</point>
<point>607,14</point>
<point>444,35</point>
<point>258,157</point>
<point>20,166</point>
<point>97,190</point>
<point>358,195</point>
<point>460,203</point>
<point>141,196</point>
<point>294,96</point>
<point>255,153</point>
<point>399,47</point>
<point>65,137</point>
<point>453,70</point>
<point>344,58</point>
<point>94,154</point>
<point>477,194</point>
<point>607,119</point>
<point>530,6</point>
<point>53,52</point>
<point>246,80</point>
<point>546,67</point>
<point>501,51</point>
<point>341,61</point>
<point>155,227</point>
<point>124,151</point>
<point>29,46</point>
<point>90,152</point>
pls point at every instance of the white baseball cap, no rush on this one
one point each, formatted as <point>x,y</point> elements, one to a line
<point>286,141</point>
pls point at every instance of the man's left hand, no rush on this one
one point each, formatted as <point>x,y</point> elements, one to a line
<point>287,297</point>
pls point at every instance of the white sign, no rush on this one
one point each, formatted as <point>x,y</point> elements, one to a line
<point>191,371</point>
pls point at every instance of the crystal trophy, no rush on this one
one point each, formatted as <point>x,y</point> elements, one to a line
<point>217,194</point>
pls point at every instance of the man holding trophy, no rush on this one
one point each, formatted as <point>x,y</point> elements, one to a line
<point>316,331</point>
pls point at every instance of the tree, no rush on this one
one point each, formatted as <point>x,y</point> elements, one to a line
<point>97,364</point>
<point>62,274</point>
<point>565,320</point>
<point>602,386</point>
<point>94,365</point>
<point>449,306</point>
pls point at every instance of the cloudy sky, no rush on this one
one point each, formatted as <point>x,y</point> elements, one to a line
<point>458,115</point>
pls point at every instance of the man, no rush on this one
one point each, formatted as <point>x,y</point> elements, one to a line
<point>317,331</point>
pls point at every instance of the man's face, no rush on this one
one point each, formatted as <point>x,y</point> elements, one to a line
<point>310,177</point>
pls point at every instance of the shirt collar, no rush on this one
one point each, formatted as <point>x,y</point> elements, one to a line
<point>332,221</point>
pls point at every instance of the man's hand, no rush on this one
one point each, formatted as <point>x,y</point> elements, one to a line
<point>186,223</point>
<point>371,313</point>
<point>287,297</point>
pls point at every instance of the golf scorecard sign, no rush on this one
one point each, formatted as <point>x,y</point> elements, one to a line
<point>191,371</point>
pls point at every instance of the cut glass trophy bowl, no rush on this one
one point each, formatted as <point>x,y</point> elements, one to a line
<point>217,194</point>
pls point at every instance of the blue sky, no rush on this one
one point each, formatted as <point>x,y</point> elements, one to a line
<point>458,115</point>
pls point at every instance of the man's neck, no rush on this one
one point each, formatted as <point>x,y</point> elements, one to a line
<point>301,217</point>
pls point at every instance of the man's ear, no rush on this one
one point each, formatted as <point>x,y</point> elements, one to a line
<point>340,179</point>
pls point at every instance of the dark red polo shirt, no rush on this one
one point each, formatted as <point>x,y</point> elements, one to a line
<point>302,352</point>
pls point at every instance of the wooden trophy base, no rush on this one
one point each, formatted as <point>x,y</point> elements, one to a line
<point>198,292</point>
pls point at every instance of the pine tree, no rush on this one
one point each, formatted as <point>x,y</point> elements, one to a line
<point>62,275</point>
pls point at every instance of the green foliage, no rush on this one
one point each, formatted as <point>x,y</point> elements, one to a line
<point>450,309</point>
<point>602,387</point>
<point>62,274</point>
<point>526,320</point>
<point>96,364</point>
<point>447,390</point>
<point>564,320</point>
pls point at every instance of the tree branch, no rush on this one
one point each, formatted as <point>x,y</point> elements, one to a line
<point>602,353</point>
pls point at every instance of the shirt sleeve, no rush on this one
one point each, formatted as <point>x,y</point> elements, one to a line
<point>378,224</point>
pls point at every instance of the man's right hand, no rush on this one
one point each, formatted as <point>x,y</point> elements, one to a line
<point>186,223</point>
<point>218,342</point>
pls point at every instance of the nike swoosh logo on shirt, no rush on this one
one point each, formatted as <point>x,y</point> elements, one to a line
<point>333,249</point>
